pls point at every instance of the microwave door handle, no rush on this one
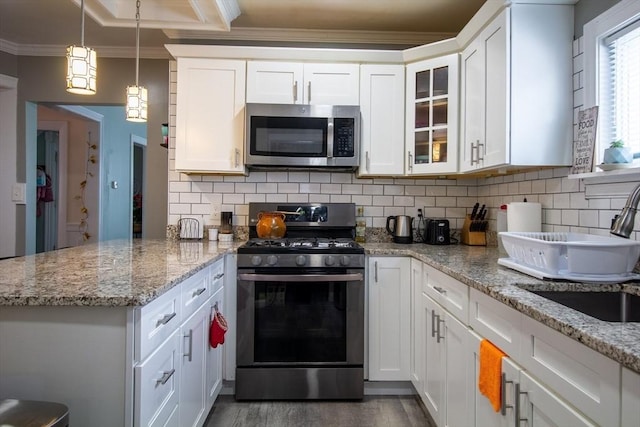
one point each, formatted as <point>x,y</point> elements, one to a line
<point>295,91</point>
<point>329,138</point>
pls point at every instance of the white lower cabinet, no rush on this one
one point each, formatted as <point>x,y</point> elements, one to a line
<point>630,398</point>
<point>417,324</point>
<point>215,355</point>
<point>193,396</point>
<point>389,318</point>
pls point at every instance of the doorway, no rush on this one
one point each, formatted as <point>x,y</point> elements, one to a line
<point>138,157</point>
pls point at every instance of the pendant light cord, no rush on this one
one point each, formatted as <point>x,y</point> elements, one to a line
<point>137,39</point>
<point>82,23</point>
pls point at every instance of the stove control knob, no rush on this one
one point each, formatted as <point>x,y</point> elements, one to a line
<point>272,260</point>
<point>345,260</point>
<point>301,260</point>
<point>329,260</point>
<point>256,260</point>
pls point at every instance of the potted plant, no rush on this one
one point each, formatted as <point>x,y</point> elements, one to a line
<point>617,153</point>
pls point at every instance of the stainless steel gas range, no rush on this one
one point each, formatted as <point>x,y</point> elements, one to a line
<point>301,307</point>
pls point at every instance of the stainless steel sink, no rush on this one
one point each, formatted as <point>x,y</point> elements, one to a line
<point>607,306</point>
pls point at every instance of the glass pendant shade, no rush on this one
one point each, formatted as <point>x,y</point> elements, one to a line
<point>81,70</point>
<point>137,104</point>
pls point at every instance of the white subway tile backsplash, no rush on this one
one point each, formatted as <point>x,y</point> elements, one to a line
<point>321,177</point>
<point>254,198</point>
<point>224,187</point>
<point>180,208</point>
<point>179,186</point>
<point>308,188</point>
<point>202,187</point>
<point>232,199</point>
<point>189,198</point>
<point>288,188</point>
<point>331,188</point>
<point>588,218</point>
<point>277,176</point>
<point>267,188</point>
<point>339,198</point>
<point>298,198</point>
<point>561,201</point>
<point>402,201</point>
<point>351,188</point>
<point>341,178</point>
<point>298,176</point>
<point>382,201</point>
<point>245,187</point>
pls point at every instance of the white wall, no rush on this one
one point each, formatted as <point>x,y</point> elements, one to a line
<point>8,123</point>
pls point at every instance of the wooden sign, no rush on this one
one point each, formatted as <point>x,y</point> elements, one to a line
<point>584,145</point>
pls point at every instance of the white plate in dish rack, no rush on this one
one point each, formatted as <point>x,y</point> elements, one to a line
<point>565,275</point>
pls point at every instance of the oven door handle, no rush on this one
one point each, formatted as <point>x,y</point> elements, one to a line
<point>301,277</point>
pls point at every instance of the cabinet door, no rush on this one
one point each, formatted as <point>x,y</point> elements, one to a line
<point>630,397</point>
<point>214,355</point>
<point>193,399</point>
<point>471,105</point>
<point>482,413</point>
<point>274,82</point>
<point>417,325</point>
<point>382,110</point>
<point>331,84</point>
<point>432,391</point>
<point>210,115</point>
<point>496,148</point>
<point>540,407</point>
<point>389,318</point>
<point>432,116</point>
<point>455,336</point>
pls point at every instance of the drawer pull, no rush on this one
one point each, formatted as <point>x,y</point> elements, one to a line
<point>199,292</point>
<point>165,377</point>
<point>218,276</point>
<point>189,355</point>
<point>433,323</point>
<point>503,402</point>
<point>518,393</point>
<point>441,290</point>
<point>165,319</point>
<point>439,337</point>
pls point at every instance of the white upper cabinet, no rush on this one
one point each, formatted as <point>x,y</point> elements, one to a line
<point>210,115</point>
<point>516,90</point>
<point>432,116</point>
<point>382,110</point>
<point>273,82</point>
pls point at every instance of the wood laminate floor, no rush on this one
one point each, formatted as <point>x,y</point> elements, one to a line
<point>372,411</point>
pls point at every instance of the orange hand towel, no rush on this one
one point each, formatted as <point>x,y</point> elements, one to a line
<point>489,381</point>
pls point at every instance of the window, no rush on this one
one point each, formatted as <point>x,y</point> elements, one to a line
<point>612,74</point>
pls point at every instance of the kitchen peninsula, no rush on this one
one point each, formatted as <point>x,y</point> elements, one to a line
<point>67,317</point>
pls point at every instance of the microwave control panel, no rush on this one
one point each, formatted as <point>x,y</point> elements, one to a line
<point>343,137</point>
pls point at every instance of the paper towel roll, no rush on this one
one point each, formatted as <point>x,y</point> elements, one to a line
<point>524,216</point>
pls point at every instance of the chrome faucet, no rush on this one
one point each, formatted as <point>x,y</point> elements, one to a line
<point>623,224</point>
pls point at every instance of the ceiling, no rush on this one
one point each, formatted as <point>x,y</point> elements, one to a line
<point>45,27</point>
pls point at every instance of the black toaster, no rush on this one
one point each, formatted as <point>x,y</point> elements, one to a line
<point>437,232</point>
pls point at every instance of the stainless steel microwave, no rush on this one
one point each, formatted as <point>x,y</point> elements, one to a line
<point>302,135</point>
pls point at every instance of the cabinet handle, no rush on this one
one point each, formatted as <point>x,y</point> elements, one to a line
<point>503,398</point>
<point>165,377</point>
<point>309,92</point>
<point>433,323</point>
<point>295,91</point>
<point>368,161</point>
<point>237,158</point>
<point>190,354</point>
<point>474,147</point>
<point>165,319</point>
<point>218,276</point>
<point>439,337</point>
<point>441,290</point>
<point>376,271</point>
<point>410,161</point>
<point>517,394</point>
<point>480,158</point>
<point>198,292</point>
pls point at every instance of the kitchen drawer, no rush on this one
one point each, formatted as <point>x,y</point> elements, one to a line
<point>496,322</point>
<point>157,382</point>
<point>156,321</point>
<point>448,292</point>
<point>585,378</point>
<point>216,276</point>
<point>195,291</point>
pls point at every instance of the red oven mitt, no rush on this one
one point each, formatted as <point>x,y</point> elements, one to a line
<point>217,330</point>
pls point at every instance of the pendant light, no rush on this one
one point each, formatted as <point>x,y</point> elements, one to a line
<point>81,65</point>
<point>137,95</point>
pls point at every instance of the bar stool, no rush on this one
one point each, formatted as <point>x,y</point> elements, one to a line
<point>32,413</point>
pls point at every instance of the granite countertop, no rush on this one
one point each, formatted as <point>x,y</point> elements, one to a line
<point>133,273</point>
<point>114,273</point>
<point>477,266</point>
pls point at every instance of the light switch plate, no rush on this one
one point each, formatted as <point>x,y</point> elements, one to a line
<point>18,191</point>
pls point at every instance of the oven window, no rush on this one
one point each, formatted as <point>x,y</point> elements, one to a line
<point>288,136</point>
<point>300,322</point>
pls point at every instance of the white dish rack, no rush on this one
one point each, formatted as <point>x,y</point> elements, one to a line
<point>563,255</point>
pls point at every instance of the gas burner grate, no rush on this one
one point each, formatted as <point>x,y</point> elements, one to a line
<point>303,243</point>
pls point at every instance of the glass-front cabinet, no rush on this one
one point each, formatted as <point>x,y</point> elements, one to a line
<point>432,118</point>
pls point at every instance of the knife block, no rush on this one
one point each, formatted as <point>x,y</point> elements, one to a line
<point>472,238</point>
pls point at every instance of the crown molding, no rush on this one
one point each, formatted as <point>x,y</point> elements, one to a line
<point>102,51</point>
<point>312,36</point>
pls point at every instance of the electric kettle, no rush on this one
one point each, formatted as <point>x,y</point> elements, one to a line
<point>401,228</point>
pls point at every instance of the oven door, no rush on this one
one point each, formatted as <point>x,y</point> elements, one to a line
<point>300,319</point>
